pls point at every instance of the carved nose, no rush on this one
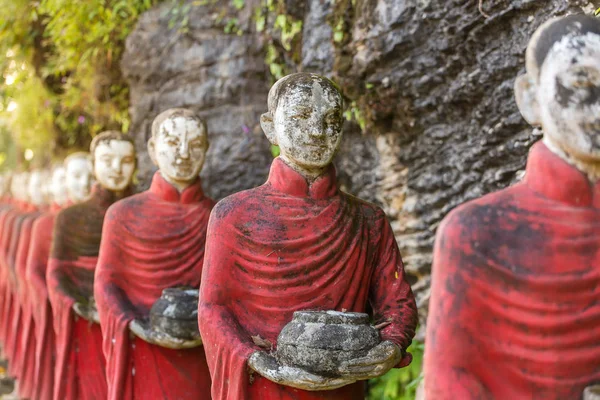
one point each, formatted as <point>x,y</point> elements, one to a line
<point>184,151</point>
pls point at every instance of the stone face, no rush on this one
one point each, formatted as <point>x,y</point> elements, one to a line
<point>318,341</point>
<point>431,80</point>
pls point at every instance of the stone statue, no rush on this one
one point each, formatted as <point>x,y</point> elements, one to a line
<point>80,364</point>
<point>298,243</point>
<point>37,261</point>
<point>13,315</point>
<point>152,251</point>
<point>78,172</point>
<point>515,303</point>
<point>23,323</point>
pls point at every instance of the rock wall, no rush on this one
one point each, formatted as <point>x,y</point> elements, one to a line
<point>429,81</point>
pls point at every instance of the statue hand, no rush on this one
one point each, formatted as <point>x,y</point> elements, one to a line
<point>379,360</point>
<point>142,329</point>
<point>86,312</point>
<point>266,365</point>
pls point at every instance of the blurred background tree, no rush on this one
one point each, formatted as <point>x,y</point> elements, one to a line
<point>62,84</point>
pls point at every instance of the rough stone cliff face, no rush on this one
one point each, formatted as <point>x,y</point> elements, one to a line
<point>428,84</point>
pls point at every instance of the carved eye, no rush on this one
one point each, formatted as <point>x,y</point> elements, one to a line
<point>172,142</point>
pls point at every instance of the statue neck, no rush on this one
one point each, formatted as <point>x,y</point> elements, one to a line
<point>179,185</point>
<point>591,168</point>
<point>310,174</point>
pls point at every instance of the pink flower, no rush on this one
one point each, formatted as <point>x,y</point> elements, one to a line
<point>81,119</point>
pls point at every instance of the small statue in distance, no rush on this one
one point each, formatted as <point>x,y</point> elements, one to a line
<point>80,366</point>
<point>149,270</point>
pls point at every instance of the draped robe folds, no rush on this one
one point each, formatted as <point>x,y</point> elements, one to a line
<point>515,310</point>
<point>6,224</point>
<point>24,329</point>
<point>287,246</point>
<point>37,261</point>
<point>80,372</point>
<point>152,241</point>
<point>9,243</point>
<point>14,321</point>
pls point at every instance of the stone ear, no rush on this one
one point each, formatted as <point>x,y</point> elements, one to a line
<point>151,150</point>
<point>268,126</point>
<point>526,96</point>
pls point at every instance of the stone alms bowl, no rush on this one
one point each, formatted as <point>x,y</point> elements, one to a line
<point>176,313</point>
<point>318,341</point>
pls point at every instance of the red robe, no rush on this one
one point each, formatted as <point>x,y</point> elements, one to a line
<point>6,224</point>
<point>24,356</point>
<point>80,372</point>
<point>287,246</point>
<point>37,261</point>
<point>515,303</point>
<point>14,321</point>
<point>152,241</point>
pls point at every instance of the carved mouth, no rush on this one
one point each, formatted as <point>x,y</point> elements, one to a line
<point>117,179</point>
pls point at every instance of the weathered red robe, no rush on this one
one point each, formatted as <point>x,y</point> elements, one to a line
<point>287,246</point>
<point>515,304</point>
<point>14,322</point>
<point>80,372</point>
<point>152,241</point>
<point>24,355</point>
<point>6,224</point>
<point>37,261</point>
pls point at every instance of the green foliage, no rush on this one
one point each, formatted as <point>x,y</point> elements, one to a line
<point>597,12</point>
<point>353,113</point>
<point>60,64</point>
<point>275,151</point>
<point>238,4</point>
<point>282,32</point>
<point>338,31</point>
<point>400,384</point>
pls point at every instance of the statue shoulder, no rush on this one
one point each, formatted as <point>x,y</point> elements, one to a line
<point>234,206</point>
<point>129,208</point>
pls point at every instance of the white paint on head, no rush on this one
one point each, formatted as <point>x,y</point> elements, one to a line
<point>34,188</point>
<point>78,178</point>
<point>179,150</point>
<point>114,164</point>
<point>568,95</point>
<point>58,186</point>
<point>308,125</point>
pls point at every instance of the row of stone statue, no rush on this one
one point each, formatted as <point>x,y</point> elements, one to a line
<point>302,292</point>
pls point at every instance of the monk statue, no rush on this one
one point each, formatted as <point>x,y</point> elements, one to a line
<point>515,302</point>
<point>24,327</point>
<point>80,366</point>
<point>14,319</point>
<point>37,262</point>
<point>298,243</point>
<point>153,245</point>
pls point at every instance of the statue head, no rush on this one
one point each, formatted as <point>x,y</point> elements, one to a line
<point>19,186</point>
<point>114,161</point>
<point>34,189</point>
<point>178,146</point>
<point>304,119</point>
<point>58,185</point>
<point>561,90</point>
<point>78,171</point>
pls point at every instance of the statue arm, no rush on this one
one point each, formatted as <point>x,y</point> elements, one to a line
<point>391,297</point>
<point>449,361</point>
